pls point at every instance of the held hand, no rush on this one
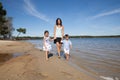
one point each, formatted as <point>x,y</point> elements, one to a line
<point>61,41</point>
<point>62,38</point>
<point>54,38</point>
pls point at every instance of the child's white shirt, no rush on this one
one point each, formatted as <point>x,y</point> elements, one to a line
<point>67,44</point>
<point>47,40</point>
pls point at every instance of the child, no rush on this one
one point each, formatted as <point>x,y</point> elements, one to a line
<point>67,45</point>
<point>46,44</point>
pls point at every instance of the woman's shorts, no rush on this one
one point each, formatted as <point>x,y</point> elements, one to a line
<point>58,40</point>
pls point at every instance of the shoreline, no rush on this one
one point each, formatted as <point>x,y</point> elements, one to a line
<point>32,64</point>
<point>82,36</point>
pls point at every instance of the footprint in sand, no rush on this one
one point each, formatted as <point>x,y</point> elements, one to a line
<point>43,75</point>
<point>68,75</point>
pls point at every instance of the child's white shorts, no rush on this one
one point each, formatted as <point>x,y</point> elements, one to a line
<point>48,48</point>
<point>67,51</point>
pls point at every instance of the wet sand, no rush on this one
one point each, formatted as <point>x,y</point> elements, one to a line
<point>31,65</point>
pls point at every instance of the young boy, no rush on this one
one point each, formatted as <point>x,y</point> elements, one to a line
<point>67,45</point>
<point>46,44</point>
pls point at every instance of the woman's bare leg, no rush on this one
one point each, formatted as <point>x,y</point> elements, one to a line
<point>58,48</point>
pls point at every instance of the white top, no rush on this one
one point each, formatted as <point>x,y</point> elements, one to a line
<point>47,46</point>
<point>47,41</point>
<point>58,31</point>
<point>67,44</point>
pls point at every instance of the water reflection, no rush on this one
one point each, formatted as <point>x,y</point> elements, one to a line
<point>7,56</point>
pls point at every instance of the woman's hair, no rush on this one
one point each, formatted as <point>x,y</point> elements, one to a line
<point>46,31</point>
<point>57,21</point>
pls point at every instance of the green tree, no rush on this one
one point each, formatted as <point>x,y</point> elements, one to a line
<point>6,27</point>
<point>2,19</point>
<point>10,28</point>
<point>2,14</point>
<point>21,30</point>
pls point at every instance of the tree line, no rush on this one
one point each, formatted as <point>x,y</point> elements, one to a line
<point>6,26</point>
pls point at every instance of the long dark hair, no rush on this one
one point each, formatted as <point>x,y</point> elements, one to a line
<point>57,21</point>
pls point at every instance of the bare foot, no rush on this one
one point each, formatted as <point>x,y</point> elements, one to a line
<point>47,59</point>
<point>59,57</point>
<point>67,59</point>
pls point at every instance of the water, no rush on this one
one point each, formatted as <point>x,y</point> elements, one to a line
<point>98,56</point>
<point>7,56</point>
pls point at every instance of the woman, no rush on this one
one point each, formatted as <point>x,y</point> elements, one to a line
<point>58,35</point>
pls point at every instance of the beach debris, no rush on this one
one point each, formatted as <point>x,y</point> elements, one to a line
<point>109,78</point>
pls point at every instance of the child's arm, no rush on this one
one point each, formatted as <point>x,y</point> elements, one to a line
<point>70,44</point>
<point>51,39</point>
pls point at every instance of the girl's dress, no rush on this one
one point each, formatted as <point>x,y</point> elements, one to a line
<point>47,43</point>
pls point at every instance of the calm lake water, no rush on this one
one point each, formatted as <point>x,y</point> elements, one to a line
<point>98,56</point>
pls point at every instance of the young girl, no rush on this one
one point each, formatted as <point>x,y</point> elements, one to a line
<point>46,44</point>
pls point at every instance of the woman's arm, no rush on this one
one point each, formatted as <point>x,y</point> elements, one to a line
<point>70,46</point>
<point>62,32</point>
<point>54,32</point>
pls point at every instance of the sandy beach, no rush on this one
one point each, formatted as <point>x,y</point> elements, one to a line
<point>24,62</point>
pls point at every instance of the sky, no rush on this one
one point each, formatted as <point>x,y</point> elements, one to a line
<point>79,17</point>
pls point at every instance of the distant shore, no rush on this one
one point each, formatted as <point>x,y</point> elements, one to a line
<point>84,36</point>
<point>21,61</point>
